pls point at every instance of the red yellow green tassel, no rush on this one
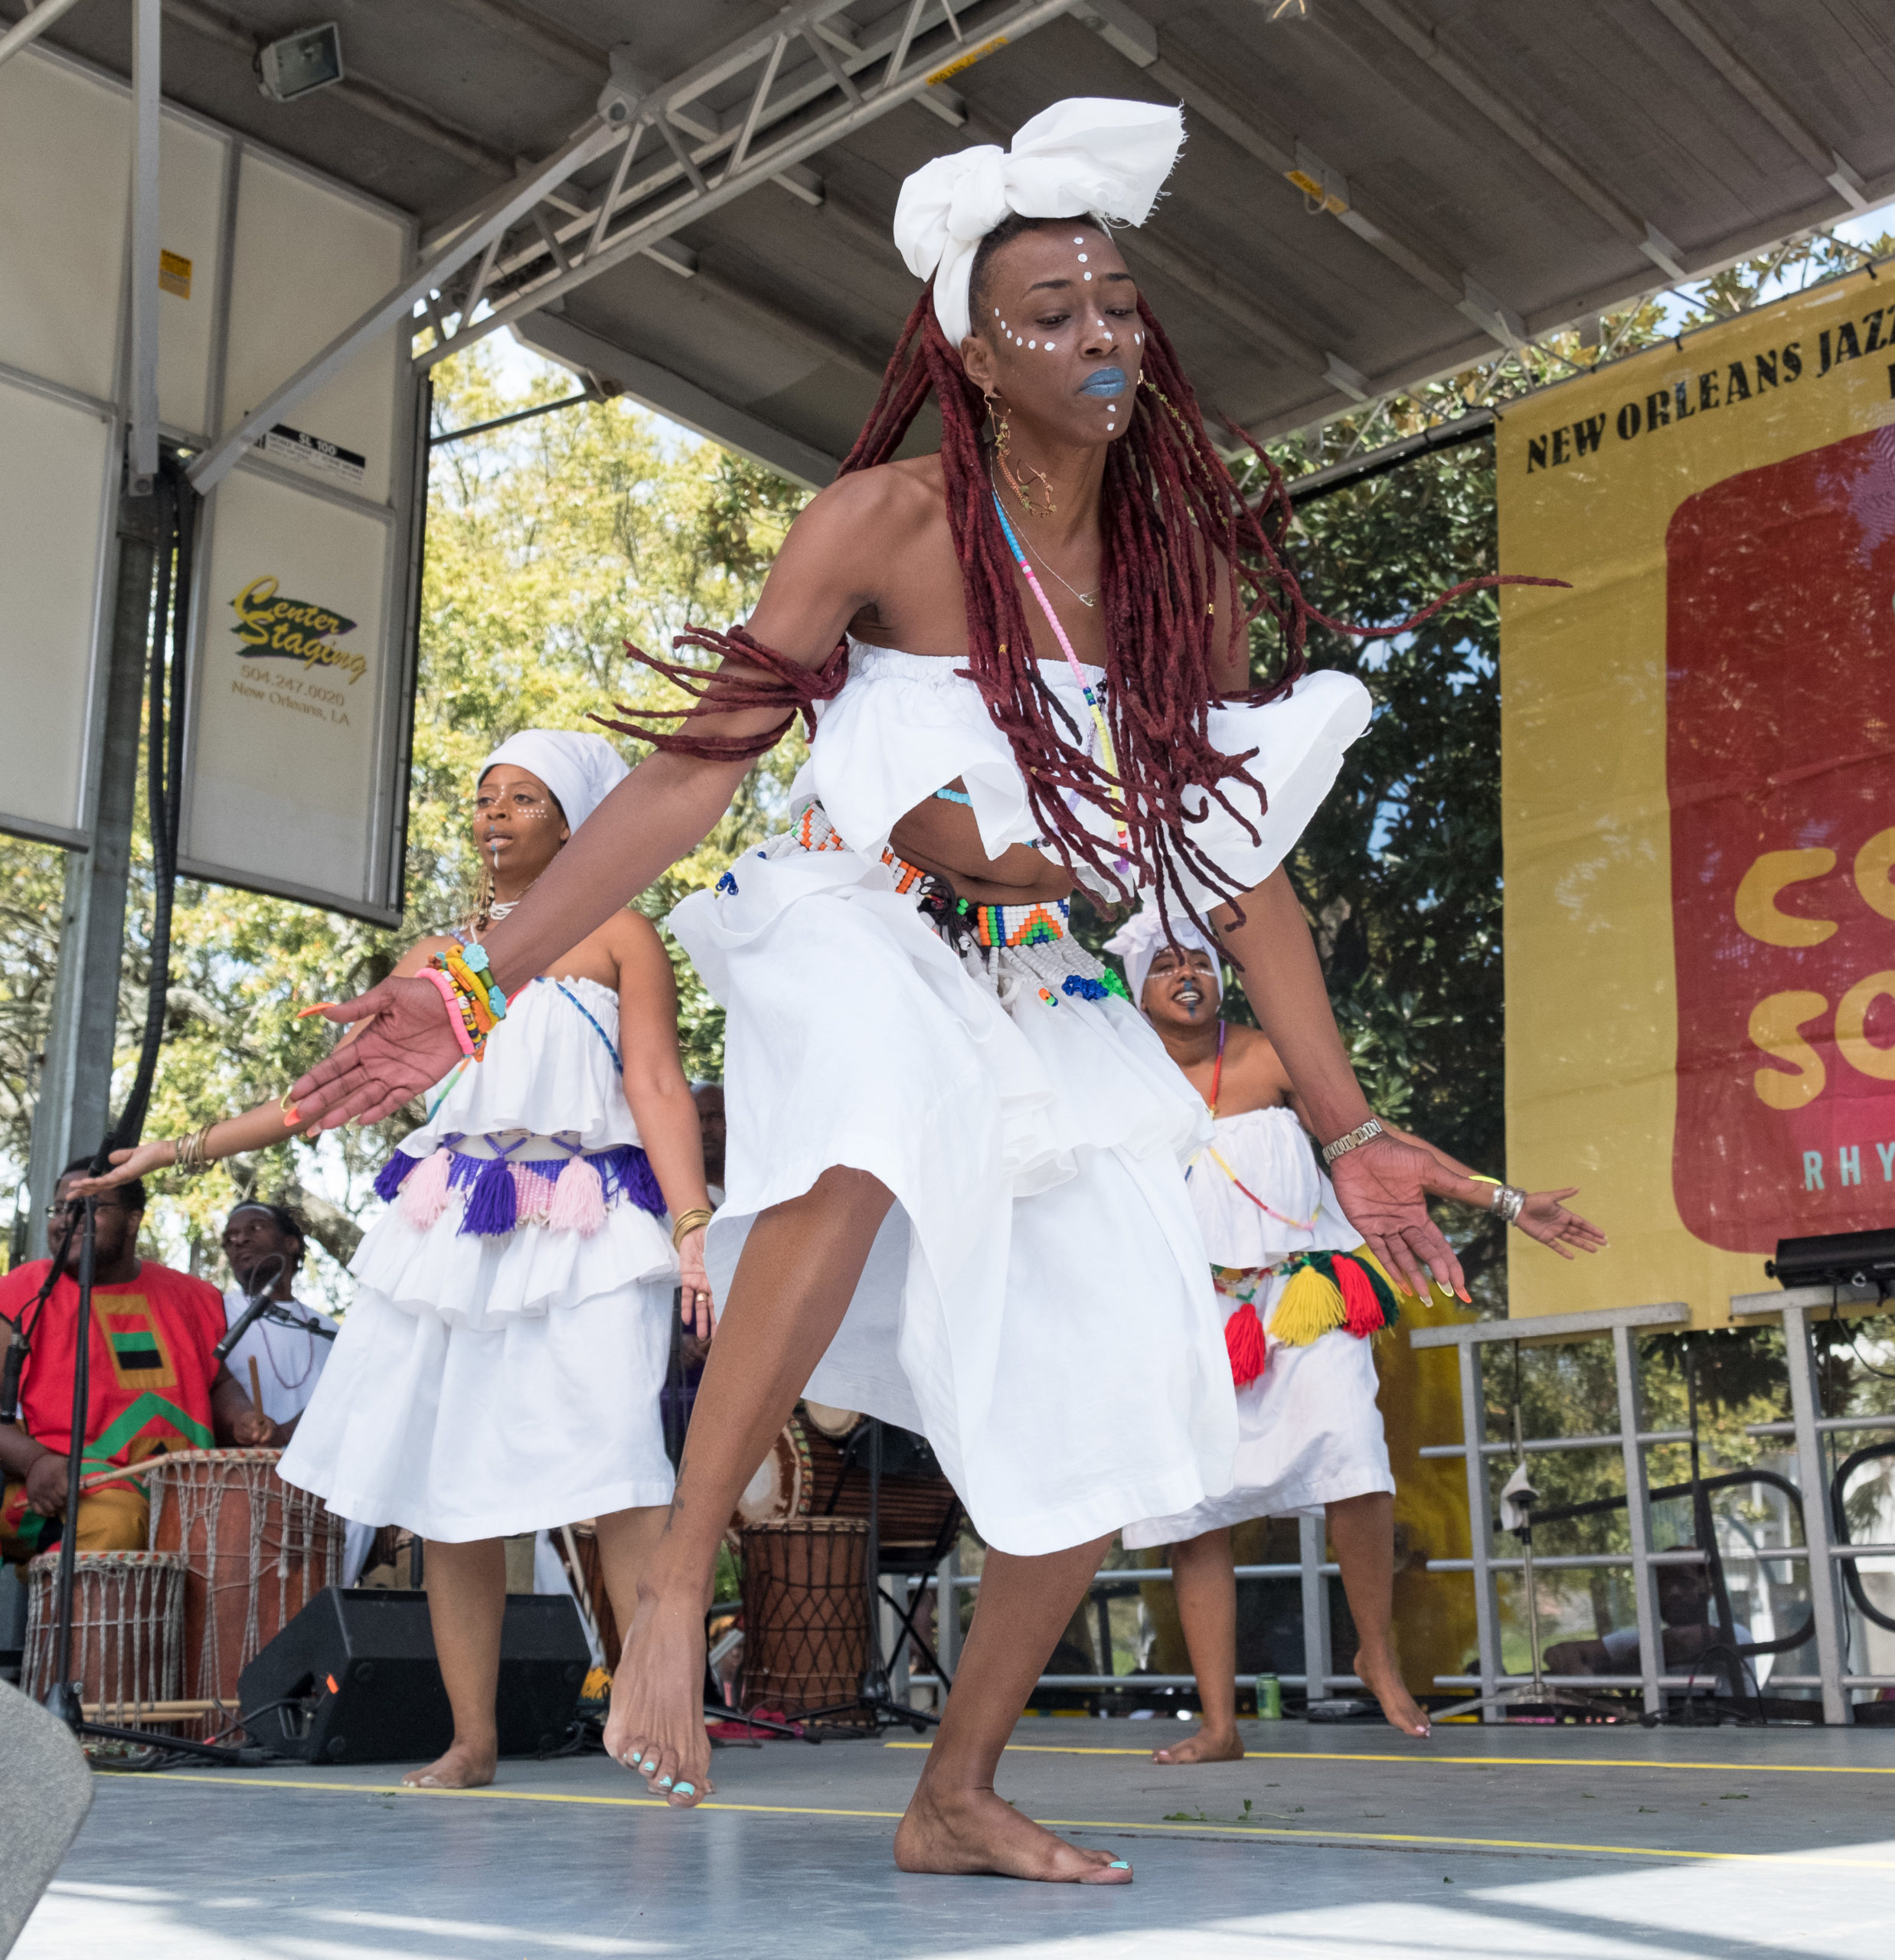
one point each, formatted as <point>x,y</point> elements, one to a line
<point>1331,1290</point>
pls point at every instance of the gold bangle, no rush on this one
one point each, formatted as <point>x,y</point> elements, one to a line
<point>688,1222</point>
<point>188,1158</point>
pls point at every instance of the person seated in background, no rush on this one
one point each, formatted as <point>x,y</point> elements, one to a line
<point>280,1357</point>
<point>709,1098</point>
<point>154,1382</point>
<point>1690,1639</point>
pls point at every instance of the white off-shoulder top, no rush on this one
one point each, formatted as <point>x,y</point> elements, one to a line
<point>905,725</point>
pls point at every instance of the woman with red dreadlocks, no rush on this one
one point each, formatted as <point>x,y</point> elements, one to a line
<point>955,1197</point>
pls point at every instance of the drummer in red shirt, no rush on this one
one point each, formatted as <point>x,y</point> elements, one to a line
<point>154,1384</point>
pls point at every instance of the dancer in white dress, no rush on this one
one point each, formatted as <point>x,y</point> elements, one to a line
<point>499,1372</point>
<point>954,1197</point>
<point>1301,1298</point>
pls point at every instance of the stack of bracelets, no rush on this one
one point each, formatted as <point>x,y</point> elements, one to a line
<point>475,1005</point>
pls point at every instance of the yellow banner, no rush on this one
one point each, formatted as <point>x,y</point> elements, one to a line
<point>1698,786</point>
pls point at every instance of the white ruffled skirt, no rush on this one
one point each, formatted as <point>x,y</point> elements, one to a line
<point>1309,1434</point>
<point>484,1387</point>
<point>1036,1303</point>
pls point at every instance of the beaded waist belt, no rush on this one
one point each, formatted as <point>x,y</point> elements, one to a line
<point>503,1193</point>
<point>1007,945</point>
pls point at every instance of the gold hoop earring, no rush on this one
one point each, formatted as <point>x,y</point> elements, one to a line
<point>997,421</point>
<point>483,895</point>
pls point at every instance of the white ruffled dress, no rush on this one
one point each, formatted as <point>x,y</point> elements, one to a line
<point>1308,1431</point>
<point>490,1382</point>
<point>1036,1303</point>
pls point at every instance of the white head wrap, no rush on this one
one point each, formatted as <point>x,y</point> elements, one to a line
<point>581,770</point>
<point>1143,937</point>
<point>1089,153</point>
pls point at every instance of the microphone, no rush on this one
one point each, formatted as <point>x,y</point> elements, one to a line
<point>256,1304</point>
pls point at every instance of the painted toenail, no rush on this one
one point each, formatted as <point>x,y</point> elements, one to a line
<point>1118,1864</point>
<point>685,1790</point>
<point>664,1782</point>
<point>649,1765</point>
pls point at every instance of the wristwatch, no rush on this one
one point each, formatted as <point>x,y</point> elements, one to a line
<point>1354,1140</point>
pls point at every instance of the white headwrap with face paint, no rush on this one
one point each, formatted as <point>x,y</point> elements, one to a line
<point>581,770</point>
<point>1089,153</point>
<point>1143,937</point>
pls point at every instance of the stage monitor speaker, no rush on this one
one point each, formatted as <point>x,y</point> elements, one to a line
<point>353,1678</point>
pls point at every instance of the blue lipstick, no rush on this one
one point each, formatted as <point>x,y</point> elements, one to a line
<point>1105,382</point>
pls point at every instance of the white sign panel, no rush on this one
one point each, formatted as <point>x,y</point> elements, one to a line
<point>61,468</point>
<point>294,673</point>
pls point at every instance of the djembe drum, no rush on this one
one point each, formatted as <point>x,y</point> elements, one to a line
<point>805,1614</point>
<point>128,1631</point>
<point>256,1550</point>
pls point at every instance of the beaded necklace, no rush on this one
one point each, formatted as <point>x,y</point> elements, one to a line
<point>1107,754</point>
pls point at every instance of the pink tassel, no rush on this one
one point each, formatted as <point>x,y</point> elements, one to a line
<point>424,1192</point>
<point>579,1199</point>
<point>533,1193</point>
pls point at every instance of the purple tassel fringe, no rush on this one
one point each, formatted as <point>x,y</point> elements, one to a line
<point>493,1205</point>
<point>393,1174</point>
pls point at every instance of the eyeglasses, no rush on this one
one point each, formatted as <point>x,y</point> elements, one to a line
<point>74,1207</point>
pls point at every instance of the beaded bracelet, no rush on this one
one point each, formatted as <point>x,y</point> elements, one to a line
<point>457,1014</point>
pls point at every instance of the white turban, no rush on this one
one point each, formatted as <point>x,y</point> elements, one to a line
<point>581,770</point>
<point>1143,937</point>
<point>1088,153</point>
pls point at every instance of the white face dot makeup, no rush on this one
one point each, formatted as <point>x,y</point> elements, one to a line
<point>1033,343</point>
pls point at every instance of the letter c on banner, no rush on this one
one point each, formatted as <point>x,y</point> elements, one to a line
<point>1757,908</point>
<point>1873,1059</point>
<point>1875,873</point>
<point>1775,1021</point>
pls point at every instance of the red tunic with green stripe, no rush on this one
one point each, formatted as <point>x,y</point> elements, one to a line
<point>151,1370</point>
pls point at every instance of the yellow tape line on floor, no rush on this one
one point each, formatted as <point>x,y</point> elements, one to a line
<point>1427,1761</point>
<point>1051,1823</point>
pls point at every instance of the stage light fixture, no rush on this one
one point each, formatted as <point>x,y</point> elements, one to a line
<point>1838,1259</point>
<point>300,63</point>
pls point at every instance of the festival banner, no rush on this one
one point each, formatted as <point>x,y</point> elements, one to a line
<point>1698,786</point>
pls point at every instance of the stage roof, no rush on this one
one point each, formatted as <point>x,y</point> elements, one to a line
<point>1471,171</point>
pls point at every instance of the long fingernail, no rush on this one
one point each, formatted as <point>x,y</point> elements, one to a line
<point>1467,1299</point>
<point>685,1790</point>
<point>303,1013</point>
<point>292,1117</point>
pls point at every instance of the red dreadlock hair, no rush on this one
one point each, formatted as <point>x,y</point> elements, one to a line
<point>1179,536</point>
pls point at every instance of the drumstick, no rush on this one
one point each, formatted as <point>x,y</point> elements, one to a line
<point>256,1385</point>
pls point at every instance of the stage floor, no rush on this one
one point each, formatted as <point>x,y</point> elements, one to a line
<point>1326,1842</point>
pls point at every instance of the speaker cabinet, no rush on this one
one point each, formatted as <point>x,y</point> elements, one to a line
<point>353,1678</point>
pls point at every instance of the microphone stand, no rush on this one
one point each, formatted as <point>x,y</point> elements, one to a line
<point>65,1697</point>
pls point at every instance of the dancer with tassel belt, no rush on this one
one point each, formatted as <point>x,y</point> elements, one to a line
<point>1302,1298</point>
<point>499,1370</point>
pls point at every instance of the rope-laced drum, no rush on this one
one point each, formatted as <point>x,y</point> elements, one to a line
<point>128,1631</point>
<point>805,1614</point>
<point>256,1551</point>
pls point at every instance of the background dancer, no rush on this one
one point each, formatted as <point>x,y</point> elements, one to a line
<point>1297,1321</point>
<point>499,1370</point>
<point>930,1091</point>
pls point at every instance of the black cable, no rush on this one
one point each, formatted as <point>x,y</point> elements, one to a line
<point>164,775</point>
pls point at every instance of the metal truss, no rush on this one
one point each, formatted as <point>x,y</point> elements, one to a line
<point>746,115</point>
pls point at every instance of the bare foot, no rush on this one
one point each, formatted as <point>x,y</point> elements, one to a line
<point>463,1768</point>
<point>973,1831</point>
<point>1207,1746</point>
<point>656,1727</point>
<point>1383,1679</point>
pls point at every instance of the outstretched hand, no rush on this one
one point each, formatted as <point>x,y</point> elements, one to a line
<point>406,1046</point>
<point>1545,1217</point>
<point>1380,1186</point>
<point>127,1164</point>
